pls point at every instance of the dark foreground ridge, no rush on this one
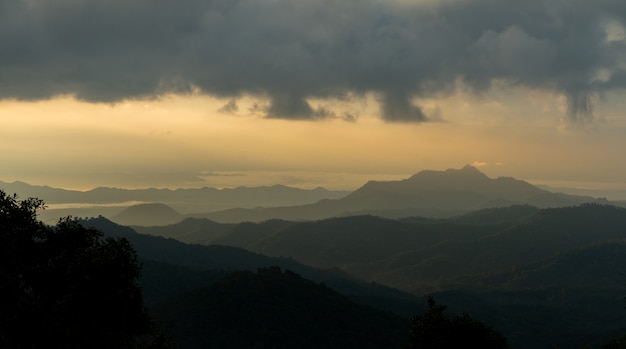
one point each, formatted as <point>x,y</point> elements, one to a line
<point>277,309</point>
<point>542,277</point>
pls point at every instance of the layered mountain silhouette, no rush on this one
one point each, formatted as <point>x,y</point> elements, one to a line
<point>148,214</point>
<point>544,276</point>
<point>174,267</point>
<point>189,200</point>
<point>417,254</point>
<point>276,309</point>
<point>428,193</point>
<point>544,268</point>
<point>111,201</point>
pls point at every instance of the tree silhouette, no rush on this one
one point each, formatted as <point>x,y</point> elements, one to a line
<point>435,330</point>
<point>65,286</point>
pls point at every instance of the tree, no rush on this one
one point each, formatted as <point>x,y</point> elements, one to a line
<point>65,286</point>
<point>435,330</point>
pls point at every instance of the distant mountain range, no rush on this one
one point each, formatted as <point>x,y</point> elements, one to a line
<point>111,201</point>
<point>206,198</point>
<point>428,193</point>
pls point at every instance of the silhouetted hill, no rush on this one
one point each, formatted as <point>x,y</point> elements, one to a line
<point>594,265</point>
<point>226,258</point>
<point>454,261</point>
<point>189,230</point>
<point>174,252</point>
<point>543,277</point>
<point>437,194</point>
<point>428,193</point>
<point>161,282</point>
<point>418,254</point>
<point>463,189</point>
<point>275,309</point>
<point>615,195</point>
<point>110,201</point>
<point>500,215</point>
<point>147,214</point>
<point>209,198</point>
<point>569,300</point>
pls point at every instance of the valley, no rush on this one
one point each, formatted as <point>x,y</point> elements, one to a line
<point>518,257</point>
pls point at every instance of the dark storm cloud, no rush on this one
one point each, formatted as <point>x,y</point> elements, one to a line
<point>291,50</point>
<point>397,107</point>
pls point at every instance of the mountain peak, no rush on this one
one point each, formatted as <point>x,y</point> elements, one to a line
<point>470,168</point>
<point>465,188</point>
<point>466,170</point>
<point>464,173</point>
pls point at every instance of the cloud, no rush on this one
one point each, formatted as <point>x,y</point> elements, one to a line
<point>397,107</point>
<point>478,163</point>
<point>290,51</point>
<point>229,108</point>
<point>289,106</point>
<point>579,106</point>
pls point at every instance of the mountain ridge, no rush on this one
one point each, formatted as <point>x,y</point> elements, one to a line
<point>443,193</point>
<point>111,201</point>
<point>395,251</point>
<point>522,268</point>
<point>231,258</point>
<point>148,214</point>
<point>427,193</point>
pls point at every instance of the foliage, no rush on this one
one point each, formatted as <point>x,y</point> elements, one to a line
<point>278,309</point>
<point>546,277</point>
<point>619,343</point>
<point>207,263</point>
<point>435,330</point>
<point>65,286</point>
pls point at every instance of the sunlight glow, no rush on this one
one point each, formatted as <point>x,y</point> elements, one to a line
<point>174,141</point>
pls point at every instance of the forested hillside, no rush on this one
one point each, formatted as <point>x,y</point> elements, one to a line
<point>417,254</point>
<point>541,277</point>
<point>520,268</point>
<point>277,309</point>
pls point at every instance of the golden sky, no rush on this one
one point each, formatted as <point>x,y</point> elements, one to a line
<point>191,93</point>
<point>184,141</point>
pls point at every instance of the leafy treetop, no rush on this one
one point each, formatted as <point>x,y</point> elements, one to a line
<point>65,286</point>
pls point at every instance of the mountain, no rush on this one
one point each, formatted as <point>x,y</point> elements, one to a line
<point>543,277</point>
<point>277,309</point>
<point>110,201</point>
<point>205,198</point>
<point>463,189</point>
<point>428,193</point>
<point>572,299</point>
<point>546,277</point>
<point>189,230</point>
<point>573,269</point>
<point>418,254</point>
<point>162,255</point>
<point>147,214</point>
<point>610,194</point>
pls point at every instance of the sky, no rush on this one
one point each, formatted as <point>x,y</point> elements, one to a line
<point>332,93</point>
